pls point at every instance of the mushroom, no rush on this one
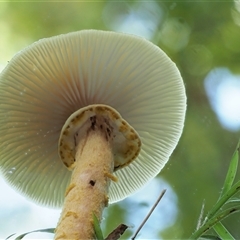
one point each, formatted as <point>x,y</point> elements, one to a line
<point>75,110</point>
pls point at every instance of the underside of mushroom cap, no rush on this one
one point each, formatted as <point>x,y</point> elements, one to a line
<point>53,78</point>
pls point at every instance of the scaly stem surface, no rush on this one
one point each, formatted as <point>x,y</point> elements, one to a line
<point>88,190</point>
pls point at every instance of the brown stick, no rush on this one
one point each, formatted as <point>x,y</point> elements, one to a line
<point>88,190</point>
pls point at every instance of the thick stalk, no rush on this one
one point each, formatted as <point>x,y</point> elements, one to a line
<point>88,190</point>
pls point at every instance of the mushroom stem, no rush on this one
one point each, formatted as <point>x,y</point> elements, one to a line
<point>87,193</point>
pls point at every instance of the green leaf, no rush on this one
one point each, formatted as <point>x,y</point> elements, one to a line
<point>47,230</point>
<point>224,199</point>
<point>222,232</point>
<point>97,228</point>
<point>234,201</point>
<point>231,171</point>
<point>209,237</point>
<point>215,219</point>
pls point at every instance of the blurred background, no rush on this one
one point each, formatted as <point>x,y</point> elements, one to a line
<point>203,39</point>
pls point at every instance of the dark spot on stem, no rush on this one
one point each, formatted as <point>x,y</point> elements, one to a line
<point>92,182</point>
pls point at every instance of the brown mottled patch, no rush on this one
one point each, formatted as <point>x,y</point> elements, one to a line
<point>68,214</point>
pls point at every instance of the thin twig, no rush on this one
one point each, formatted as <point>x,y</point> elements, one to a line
<point>149,214</point>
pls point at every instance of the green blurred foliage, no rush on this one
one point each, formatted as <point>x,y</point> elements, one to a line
<point>198,36</point>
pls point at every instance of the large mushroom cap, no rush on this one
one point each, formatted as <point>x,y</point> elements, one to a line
<point>52,78</point>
